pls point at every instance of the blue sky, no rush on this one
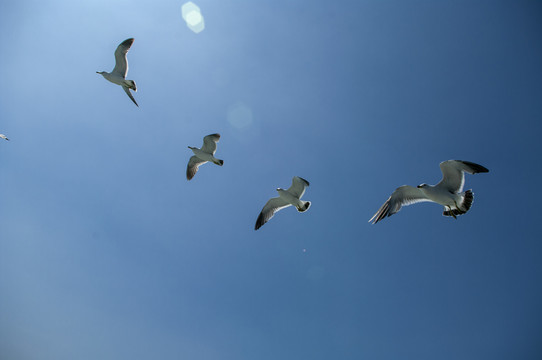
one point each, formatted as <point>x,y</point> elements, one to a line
<point>108,252</point>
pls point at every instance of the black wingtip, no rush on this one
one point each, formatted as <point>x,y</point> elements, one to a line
<point>477,168</point>
<point>189,175</point>
<point>308,184</point>
<point>259,222</point>
<point>127,42</point>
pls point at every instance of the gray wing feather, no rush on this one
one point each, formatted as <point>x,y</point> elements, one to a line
<point>127,91</point>
<point>298,186</point>
<point>269,210</point>
<point>193,165</point>
<point>402,196</point>
<point>121,62</point>
<point>453,173</point>
<point>209,143</point>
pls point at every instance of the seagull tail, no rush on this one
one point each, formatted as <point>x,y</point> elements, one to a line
<point>468,199</point>
<point>132,85</point>
<point>306,206</point>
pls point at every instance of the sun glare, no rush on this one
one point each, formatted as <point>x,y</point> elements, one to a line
<point>192,16</point>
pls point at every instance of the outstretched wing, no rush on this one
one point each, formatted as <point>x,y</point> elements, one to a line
<point>127,91</point>
<point>403,195</point>
<point>298,186</point>
<point>272,206</point>
<point>121,62</point>
<point>193,165</point>
<point>453,174</point>
<point>209,143</point>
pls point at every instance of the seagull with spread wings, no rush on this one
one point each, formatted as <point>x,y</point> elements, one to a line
<point>290,197</point>
<point>118,75</point>
<point>203,155</point>
<point>448,192</point>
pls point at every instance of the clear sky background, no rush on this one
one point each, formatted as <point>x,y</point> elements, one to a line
<point>108,252</point>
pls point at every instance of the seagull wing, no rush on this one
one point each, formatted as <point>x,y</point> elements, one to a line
<point>403,195</point>
<point>127,91</point>
<point>209,143</point>
<point>193,165</point>
<point>121,62</point>
<point>4,137</point>
<point>298,187</point>
<point>272,206</point>
<point>453,174</point>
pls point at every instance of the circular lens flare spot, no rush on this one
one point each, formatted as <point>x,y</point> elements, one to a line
<point>193,18</point>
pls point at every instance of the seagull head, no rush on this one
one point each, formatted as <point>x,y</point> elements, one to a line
<point>422,186</point>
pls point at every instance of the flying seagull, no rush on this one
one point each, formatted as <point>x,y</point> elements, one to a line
<point>118,75</point>
<point>448,192</point>
<point>203,155</point>
<point>286,198</point>
<point>2,136</point>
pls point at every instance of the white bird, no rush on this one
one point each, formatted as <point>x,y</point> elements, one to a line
<point>203,155</point>
<point>448,192</point>
<point>2,136</point>
<point>289,197</point>
<point>118,75</point>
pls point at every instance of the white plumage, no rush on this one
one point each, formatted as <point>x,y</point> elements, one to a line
<point>118,75</point>
<point>203,155</point>
<point>448,192</point>
<point>289,197</point>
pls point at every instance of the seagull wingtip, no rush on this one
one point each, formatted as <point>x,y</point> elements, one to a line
<point>304,180</point>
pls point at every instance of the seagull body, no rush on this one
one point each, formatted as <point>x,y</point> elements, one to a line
<point>118,75</point>
<point>290,197</point>
<point>4,137</point>
<point>203,155</point>
<point>448,192</point>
